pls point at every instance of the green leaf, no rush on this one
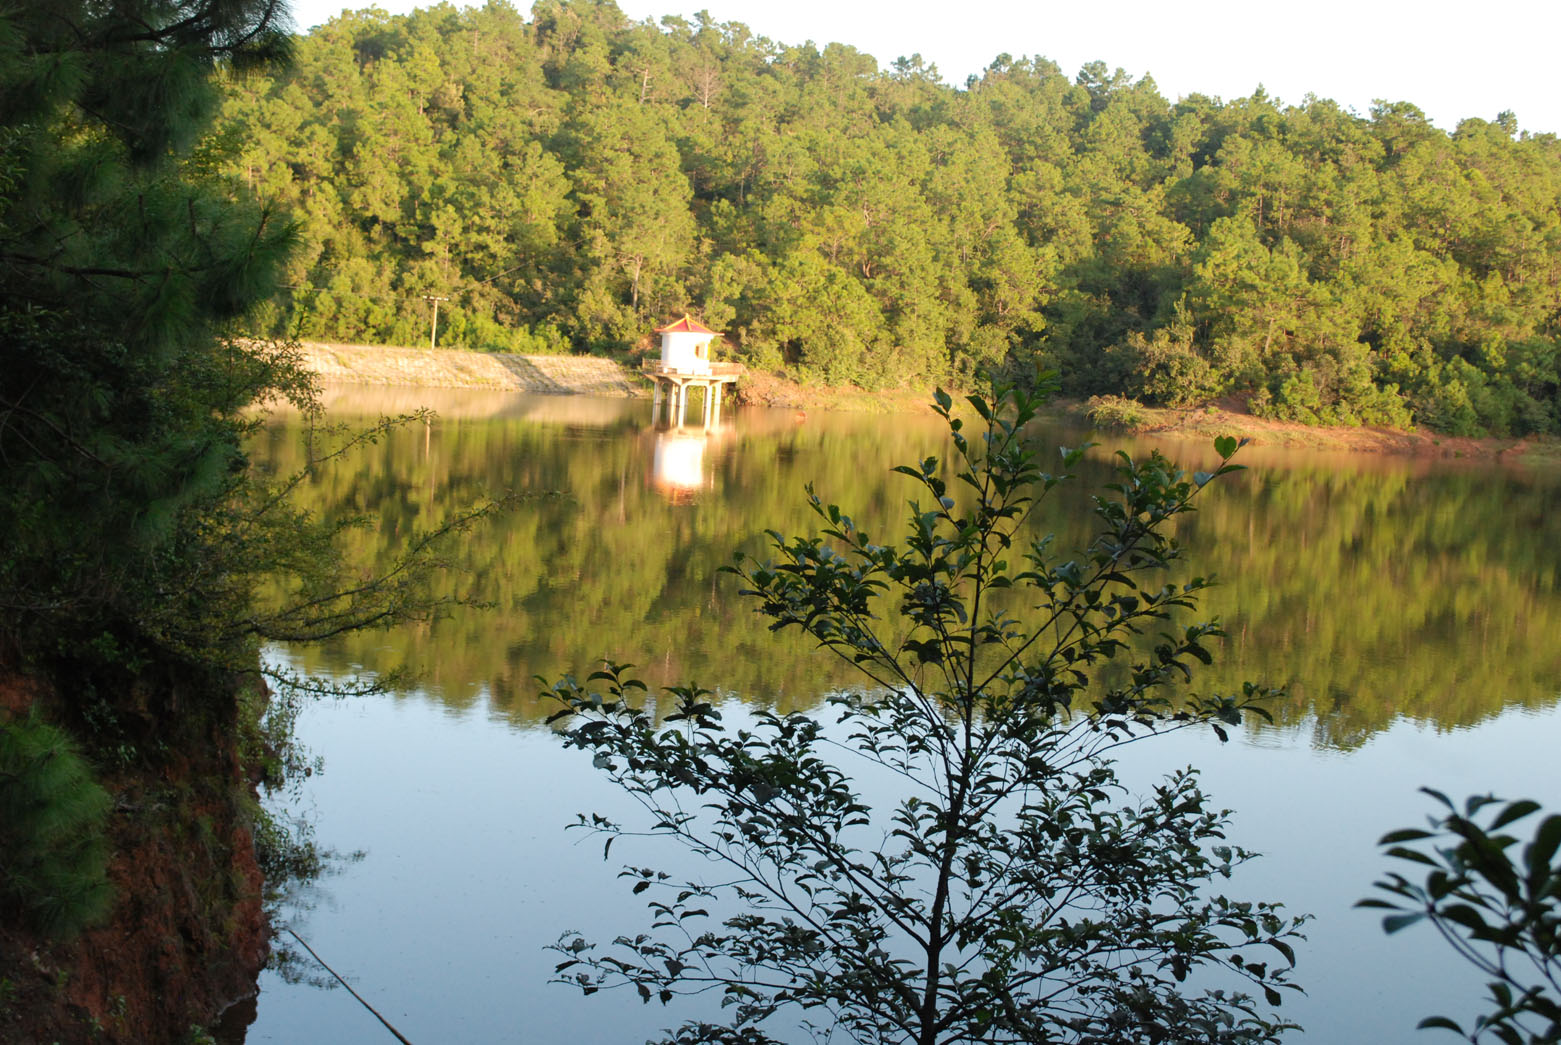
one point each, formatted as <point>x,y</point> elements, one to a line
<point>1515,811</point>
<point>1394,922</point>
<point>1542,850</point>
<point>1411,834</point>
<point>1285,949</point>
<point>1438,1023</point>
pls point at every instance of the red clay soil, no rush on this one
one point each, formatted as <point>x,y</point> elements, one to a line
<point>187,937</point>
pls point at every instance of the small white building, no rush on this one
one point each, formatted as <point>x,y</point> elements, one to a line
<point>685,346</point>
<point>685,361</point>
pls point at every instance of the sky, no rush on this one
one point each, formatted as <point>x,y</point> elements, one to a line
<point>1453,60</point>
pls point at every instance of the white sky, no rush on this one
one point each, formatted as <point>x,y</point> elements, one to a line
<point>1451,59</point>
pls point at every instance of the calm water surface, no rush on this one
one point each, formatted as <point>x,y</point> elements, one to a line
<point>1411,607</point>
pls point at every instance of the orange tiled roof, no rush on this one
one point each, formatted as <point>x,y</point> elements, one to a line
<point>685,326</point>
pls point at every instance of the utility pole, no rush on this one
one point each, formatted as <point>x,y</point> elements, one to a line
<point>433,330</point>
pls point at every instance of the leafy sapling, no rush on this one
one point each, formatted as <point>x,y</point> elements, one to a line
<point>1012,890</point>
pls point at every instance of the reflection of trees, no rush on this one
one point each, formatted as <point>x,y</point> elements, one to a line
<point>1405,590</point>
<point>1398,591</point>
<point>594,560</point>
<point>1430,596</point>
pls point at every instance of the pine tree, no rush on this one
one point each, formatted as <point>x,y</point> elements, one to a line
<point>123,263</point>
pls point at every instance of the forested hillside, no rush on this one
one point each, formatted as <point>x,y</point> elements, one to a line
<point>571,179</point>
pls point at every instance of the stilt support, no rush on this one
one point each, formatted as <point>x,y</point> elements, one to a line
<point>672,389</point>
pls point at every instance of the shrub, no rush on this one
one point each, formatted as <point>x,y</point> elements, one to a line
<point>53,857</point>
<point>1015,891</point>
<point>1116,413</point>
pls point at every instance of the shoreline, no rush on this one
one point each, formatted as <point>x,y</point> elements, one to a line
<point>378,365</point>
<point>1208,422</point>
<point>371,365</point>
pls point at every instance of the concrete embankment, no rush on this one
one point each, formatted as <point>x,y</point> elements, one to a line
<point>456,368</point>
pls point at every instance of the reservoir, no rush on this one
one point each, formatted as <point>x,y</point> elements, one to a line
<point>1411,608</point>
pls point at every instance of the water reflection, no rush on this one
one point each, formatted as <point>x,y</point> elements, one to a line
<point>1376,588</point>
<point>678,465</point>
<point>470,871</point>
<point>455,404</point>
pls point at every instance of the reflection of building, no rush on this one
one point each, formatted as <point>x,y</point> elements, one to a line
<point>685,363</point>
<point>678,467</point>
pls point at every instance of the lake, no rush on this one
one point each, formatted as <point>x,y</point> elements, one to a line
<point>1412,608</point>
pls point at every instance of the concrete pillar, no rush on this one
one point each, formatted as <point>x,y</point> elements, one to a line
<point>682,404</point>
<point>655,403</point>
<point>715,403</point>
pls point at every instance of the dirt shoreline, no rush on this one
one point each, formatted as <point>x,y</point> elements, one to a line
<point>339,364</point>
<point>1363,439</point>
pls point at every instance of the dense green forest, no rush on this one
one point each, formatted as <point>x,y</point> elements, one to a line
<point>571,179</point>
